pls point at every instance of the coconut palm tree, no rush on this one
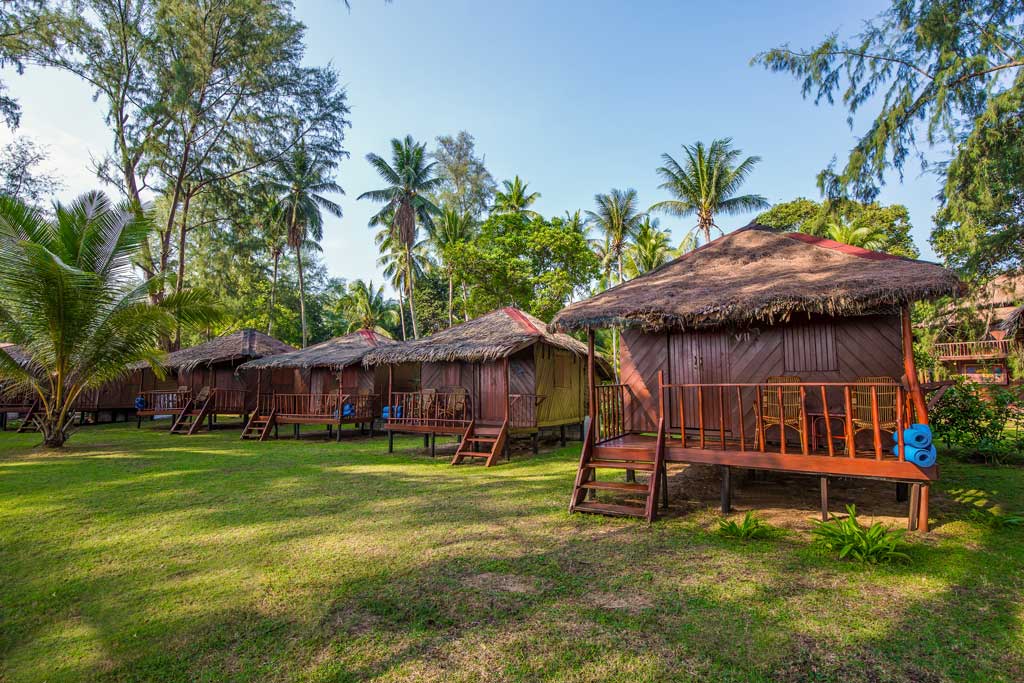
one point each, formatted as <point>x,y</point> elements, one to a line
<point>865,236</point>
<point>397,262</point>
<point>69,299</point>
<point>366,308</point>
<point>617,219</point>
<point>515,198</point>
<point>706,184</point>
<point>273,233</point>
<point>650,248</point>
<point>451,230</point>
<point>407,206</point>
<point>303,178</point>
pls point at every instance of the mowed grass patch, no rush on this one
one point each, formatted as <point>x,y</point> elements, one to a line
<point>136,555</point>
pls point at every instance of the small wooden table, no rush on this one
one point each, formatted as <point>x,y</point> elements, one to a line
<point>837,435</point>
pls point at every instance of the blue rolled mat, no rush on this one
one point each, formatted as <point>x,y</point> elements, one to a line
<point>922,457</point>
<point>918,436</point>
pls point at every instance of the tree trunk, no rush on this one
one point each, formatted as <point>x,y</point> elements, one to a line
<point>465,302</point>
<point>401,309</point>
<point>302,295</point>
<point>273,295</point>
<point>179,285</point>
<point>451,300</point>
<point>412,291</point>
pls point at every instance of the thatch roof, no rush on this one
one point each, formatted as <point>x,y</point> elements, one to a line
<point>16,353</point>
<point>245,344</point>
<point>496,335</point>
<point>757,275</point>
<point>1014,323</point>
<point>333,354</point>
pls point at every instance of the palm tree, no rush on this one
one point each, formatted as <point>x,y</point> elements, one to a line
<point>397,263</point>
<point>617,219</point>
<point>410,181</point>
<point>303,178</point>
<point>70,301</point>
<point>273,232</point>
<point>865,236</point>
<point>449,231</point>
<point>649,250</point>
<point>515,198</point>
<point>706,184</point>
<point>366,308</point>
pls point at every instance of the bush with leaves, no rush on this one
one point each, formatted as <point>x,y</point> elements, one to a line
<point>875,544</point>
<point>974,420</point>
<point>749,528</point>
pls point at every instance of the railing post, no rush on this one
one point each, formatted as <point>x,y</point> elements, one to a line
<point>910,368</point>
<point>591,383</point>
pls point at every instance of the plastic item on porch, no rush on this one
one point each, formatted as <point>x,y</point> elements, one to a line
<point>917,435</point>
<point>386,412</point>
<point>347,410</point>
<point>140,403</point>
<point>922,457</point>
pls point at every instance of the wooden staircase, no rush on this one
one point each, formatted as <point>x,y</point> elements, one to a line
<point>28,423</point>
<point>640,458</point>
<point>191,418</point>
<point>485,443</point>
<point>259,426</point>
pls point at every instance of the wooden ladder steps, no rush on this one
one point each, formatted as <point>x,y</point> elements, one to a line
<point>639,465</point>
<point>611,509</point>
<point>626,486</point>
<point>474,454</point>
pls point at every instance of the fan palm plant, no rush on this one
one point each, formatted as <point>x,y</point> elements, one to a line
<point>303,178</point>
<point>514,198</point>
<point>366,308</point>
<point>451,230</point>
<point>650,248</point>
<point>406,198</point>
<point>707,183</point>
<point>69,300</point>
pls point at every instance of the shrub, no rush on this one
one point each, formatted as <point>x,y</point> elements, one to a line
<point>876,544</point>
<point>974,420</point>
<point>750,527</point>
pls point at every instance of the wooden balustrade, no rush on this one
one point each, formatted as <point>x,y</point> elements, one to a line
<point>613,411</point>
<point>328,406</point>
<point>523,409</point>
<point>826,418</point>
<point>167,402</point>
<point>429,408</point>
<point>227,400</point>
<point>990,348</point>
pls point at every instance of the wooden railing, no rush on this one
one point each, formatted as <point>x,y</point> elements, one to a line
<point>332,406</point>
<point>166,402</point>
<point>991,348</point>
<point>227,400</point>
<point>614,411</point>
<point>522,409</point>
<point>849,419</point>
<point>428,408</point>
<point>15,400</point>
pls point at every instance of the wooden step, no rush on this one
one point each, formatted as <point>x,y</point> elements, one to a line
<point>615,486</point>
<point>617,465</point>
<point>474,454</point>
<point>610,509</point>
<point>624,453</point>
<point>481,439</point>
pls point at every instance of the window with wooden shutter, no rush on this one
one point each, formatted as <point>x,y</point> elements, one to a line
<point>563,367</point>
<point>810,348</point>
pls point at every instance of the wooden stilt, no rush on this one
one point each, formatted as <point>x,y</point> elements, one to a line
<point>426,440</point>
<point>561,435</point>
<point>433,445</point>
<point>915,498</point>
<point>536,443</point>
<point>922,519</point>
<point>664,487</point>
<point>726,488</point>
<point>824,499</point>
<point>391,442</point>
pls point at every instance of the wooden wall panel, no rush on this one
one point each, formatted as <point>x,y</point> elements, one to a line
<point>641,355</point>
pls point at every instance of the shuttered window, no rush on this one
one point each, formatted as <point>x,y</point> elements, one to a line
<point>564,363</point>
<point>811,348</point>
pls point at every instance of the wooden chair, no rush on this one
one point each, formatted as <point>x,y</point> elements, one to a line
<point>428,403</point>
<point>885,397</point>
<point>790,413</point>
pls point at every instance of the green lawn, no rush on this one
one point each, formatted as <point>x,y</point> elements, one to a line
<point>135,555</point>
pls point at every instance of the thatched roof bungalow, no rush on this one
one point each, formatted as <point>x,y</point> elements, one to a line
<point>763,342</point>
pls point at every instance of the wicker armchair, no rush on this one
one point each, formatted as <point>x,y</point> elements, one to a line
<point>789,413</point>
<point>885,397</point>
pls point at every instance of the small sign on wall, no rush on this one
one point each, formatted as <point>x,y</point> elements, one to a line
<point>986,373</point>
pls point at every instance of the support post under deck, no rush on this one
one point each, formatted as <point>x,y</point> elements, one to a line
<point>726,488</point>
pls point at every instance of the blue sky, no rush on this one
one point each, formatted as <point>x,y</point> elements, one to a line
<point>576,97</point>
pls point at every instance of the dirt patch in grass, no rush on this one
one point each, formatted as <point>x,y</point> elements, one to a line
<point>504,583</point>
<point>629,602</point>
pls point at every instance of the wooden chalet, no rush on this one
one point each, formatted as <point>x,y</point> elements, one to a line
<point>484,381</point>
<point>13,401</point>
<point>201,383</point>
<point>761,351</point>
<point>324,384</point>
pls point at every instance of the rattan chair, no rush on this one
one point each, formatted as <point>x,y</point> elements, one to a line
<point>885,397</point>
<point>429,400</point>
<point>789,413</point>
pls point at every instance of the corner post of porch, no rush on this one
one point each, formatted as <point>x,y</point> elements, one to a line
<point>591,380</point>
<point>920,410</point>
<point>390,397</point>
<point>508,388</point>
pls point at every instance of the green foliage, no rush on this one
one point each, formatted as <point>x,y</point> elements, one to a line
<point>750,527</point>
<point>534,264</point>
<point>875,544</point>
<point>995,519</point>
<point>466,184</point>
<point>973,419</point>
<point>650,248</point>
<point>21,175</point>
<point>926,66</point>
<point>617,219</point>
<point>514,198</point>
<point>68,299</point>
<point>886,228</point>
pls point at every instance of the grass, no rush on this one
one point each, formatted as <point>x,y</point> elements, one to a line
<point>135,555</point>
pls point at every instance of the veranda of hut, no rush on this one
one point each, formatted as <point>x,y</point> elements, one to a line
<point>754,349</point>
<point>504,356</point>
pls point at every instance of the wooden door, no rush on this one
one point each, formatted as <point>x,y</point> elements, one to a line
<point>698,358</point>
<point>491,393</point>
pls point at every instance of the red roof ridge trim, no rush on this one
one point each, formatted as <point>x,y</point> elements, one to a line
<point>849,249</point>
<point>369,336</point>
<point>523,321</point>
